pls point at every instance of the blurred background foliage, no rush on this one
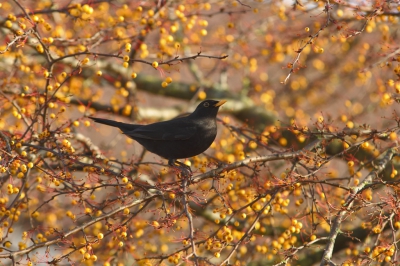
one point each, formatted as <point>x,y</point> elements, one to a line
<point>307,144</point>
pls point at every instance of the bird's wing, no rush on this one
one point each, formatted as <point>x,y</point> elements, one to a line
<point>176,129</point>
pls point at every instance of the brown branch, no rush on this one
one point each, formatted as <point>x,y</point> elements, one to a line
<point>310,41</point>
<point>185,203</point>
<point>260,159</point>
<point>346,207</point>
<point>14,254</point>
<point>16,39</point>
<point>247,233</point>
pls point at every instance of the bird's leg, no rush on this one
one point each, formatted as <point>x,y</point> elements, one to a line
<point>186,170</point>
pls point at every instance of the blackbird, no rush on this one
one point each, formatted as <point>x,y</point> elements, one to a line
<point>177,138</point>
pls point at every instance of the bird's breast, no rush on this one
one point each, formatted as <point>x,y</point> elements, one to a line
<point>207,125</point>
<point>206,131</point>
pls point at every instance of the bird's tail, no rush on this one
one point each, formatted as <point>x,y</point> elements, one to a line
<point>120,125</point>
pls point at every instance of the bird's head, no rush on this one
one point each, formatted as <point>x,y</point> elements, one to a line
<point>208,108</point>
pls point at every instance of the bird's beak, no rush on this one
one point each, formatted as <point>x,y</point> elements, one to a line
<point>218,104</point>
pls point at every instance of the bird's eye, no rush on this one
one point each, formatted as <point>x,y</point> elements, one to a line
<point>206,104</point>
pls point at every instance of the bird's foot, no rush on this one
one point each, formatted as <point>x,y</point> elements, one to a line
<point>185,170</point>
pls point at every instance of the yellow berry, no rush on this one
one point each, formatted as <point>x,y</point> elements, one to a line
<point>181,8</point>
<point>393,136</point>
<point>173,28</point>
<point>397,225</point>
<point>8,24</point>
<point>40,48</point>
<point>143,46</point>
<point>202,95</point>
<point>155,64</point>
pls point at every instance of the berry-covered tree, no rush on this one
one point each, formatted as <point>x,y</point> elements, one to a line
<point>305,166</point>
